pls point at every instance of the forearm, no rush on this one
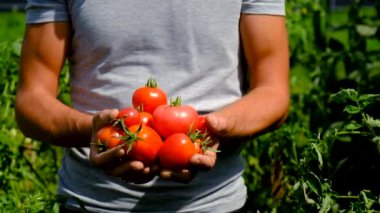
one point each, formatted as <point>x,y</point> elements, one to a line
<point>265,46</point>
<point>262,109</point>
<point>41,116</point>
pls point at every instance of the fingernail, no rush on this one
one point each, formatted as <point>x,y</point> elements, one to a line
<point>114,113</point>
<point>120,152</point>
<point>165,174</point>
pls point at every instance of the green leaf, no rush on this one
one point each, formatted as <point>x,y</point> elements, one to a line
<point>307,199</point>
<point>327,202</point>
<point>369,121</point>
<point>366,30</point>
<point>16,48</point>
<point>345,139</point>
<point>367,99</point>
<point>319,155</point>
<point>367,201</point>
<point>352,126</point>
<point>351,109</point>
<point>314,183</point>
<point>296,186</point>
<point>376,139</point>
<point>344,95</point>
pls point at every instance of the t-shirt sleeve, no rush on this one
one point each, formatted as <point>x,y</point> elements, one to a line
<point>41,11</point>
<point>269,7</point>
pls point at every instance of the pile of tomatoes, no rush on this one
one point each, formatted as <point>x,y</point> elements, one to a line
<point>153,130</point>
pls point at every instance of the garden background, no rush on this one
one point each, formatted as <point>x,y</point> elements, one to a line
<point>325,158</point>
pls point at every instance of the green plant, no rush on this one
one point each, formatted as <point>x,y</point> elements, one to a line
<point>324,157</point>
<point>28,168</point>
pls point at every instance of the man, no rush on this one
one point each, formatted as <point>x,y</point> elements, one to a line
<point>194,50</point>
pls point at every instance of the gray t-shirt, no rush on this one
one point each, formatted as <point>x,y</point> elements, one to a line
<point>192,49</point>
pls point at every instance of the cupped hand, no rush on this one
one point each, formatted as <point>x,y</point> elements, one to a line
<point>198,162</point>
<point>114,161</point>
<point>223,136</point>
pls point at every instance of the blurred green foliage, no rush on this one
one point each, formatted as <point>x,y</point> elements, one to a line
<point>326,157</point>
<point>11,25</point>
<point>28,168</point>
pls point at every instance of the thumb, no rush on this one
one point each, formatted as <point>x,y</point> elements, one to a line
<point>104,117</point>
<point>217,124</point>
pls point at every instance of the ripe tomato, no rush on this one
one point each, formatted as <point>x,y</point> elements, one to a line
<point>201,141</point>
<point>198,146</point>
<point>109,137</point>
<point>175,118</point>
<point>200,124</point>
<point>149,97</point>
<point>130,115</point>
<point>146,118</point>
<point>143,144</point>
<point>176,152</point>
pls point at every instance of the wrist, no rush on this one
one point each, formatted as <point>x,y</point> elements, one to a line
<point>74,131</point>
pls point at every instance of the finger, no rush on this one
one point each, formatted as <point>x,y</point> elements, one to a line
<point>102,159</point>
<point>101,119</point>
<point>104,117</point>
<point>217,124</point>
<point>135,174</point>
<point>127,168</point>
<point>155,168</point>
<point>181,176</point>
<point>204,161</point>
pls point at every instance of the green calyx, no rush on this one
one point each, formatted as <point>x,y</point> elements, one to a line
<point>176,102</point>
<point>205,141</point>
<point>101,147</point>
<point>130,137</point>
<point>151,83</point>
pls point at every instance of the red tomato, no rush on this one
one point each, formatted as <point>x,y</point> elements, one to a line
<point>110,136</point>
<point>201,141</point>
<point>130,115</point>
<point>144,145</point>
<point>176,152</point>
<point>200,124</point>
<point>146,118</point>
<point>198,146</point>
<point>175,118</point>
<point>149,97</point>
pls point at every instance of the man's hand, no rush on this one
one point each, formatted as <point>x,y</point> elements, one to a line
<point>205,162</point>
<point>114,161</point>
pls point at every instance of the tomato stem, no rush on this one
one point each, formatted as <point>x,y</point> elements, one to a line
<point>121,122</point>
<point>205,140</point>
<point>151,83</point>
<point>130,137</point>
<point>140,108</point>
<point>176,102</point>
<point>101,147</point>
